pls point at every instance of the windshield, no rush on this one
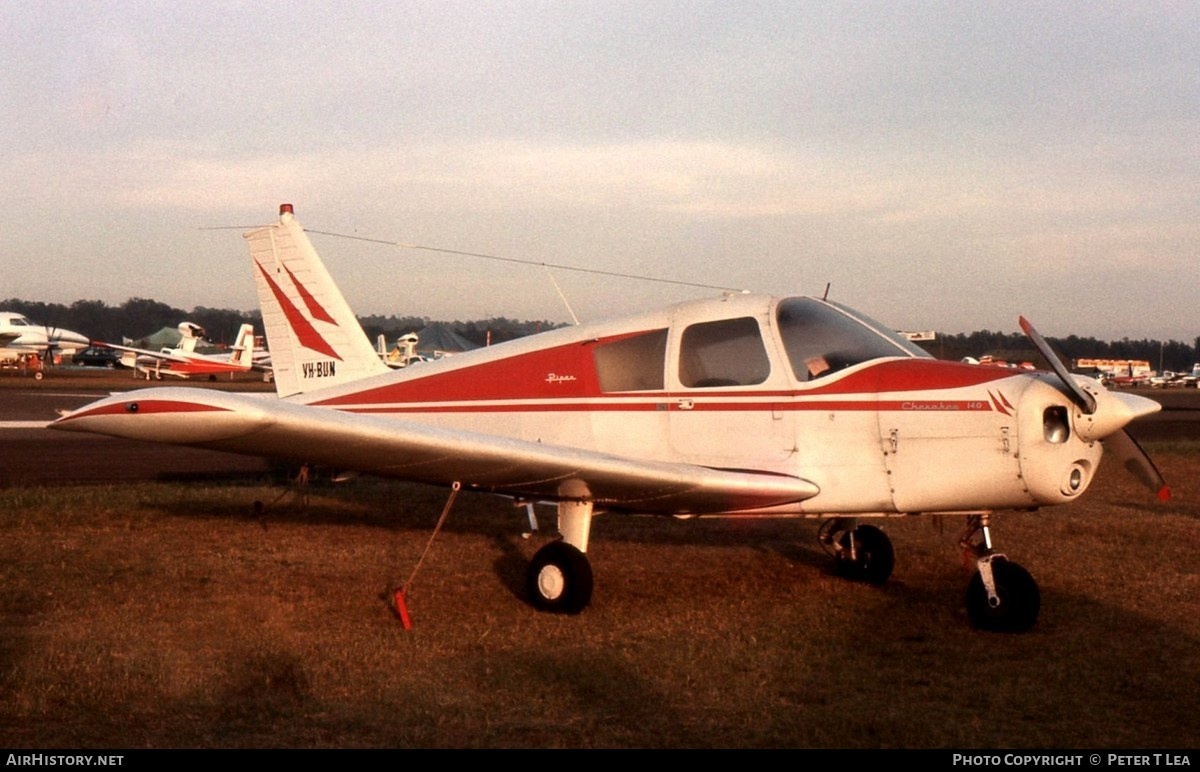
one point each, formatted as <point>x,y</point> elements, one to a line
<point>822,337</point>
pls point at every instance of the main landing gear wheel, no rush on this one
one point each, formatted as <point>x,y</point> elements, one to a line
<point>862,554</point>
<point>1015,605</point>
<point>559,579</point>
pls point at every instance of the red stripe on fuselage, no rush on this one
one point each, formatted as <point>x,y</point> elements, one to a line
<point>671,404</point>
<point>195,367</point>
<point>912,375</point>
<point>559,372</point>
<point>568,373</point>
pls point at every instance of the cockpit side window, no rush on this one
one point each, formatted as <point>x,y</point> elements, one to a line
<point>729,352</point>
<point>636,363</point>
<point>821,338</point>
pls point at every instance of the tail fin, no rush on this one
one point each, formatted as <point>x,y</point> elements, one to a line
<point>243,347</point>
<point>314,337</point>
<point>189,335</point>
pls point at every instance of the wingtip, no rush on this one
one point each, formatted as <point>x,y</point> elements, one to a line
<point>1164,494</point>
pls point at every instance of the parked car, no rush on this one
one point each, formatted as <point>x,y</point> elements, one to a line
<point>98,356</point>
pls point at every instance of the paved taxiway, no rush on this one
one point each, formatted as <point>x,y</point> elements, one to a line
<point>31,455</point>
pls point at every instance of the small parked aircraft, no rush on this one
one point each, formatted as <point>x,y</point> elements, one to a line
<point>403,354</point>
<point>739,406</point>
<point>183,361</point>
<point>19,337</point>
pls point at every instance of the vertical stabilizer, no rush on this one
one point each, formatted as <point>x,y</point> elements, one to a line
<point>189,335</point>
<point>314,337</point>
<point>243,347</point>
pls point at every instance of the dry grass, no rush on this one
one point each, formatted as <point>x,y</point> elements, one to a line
<point>171,616</point>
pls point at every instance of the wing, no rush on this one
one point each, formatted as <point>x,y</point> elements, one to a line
<point>148,353</point>
<point>8,337</point>
<point>399,448</point>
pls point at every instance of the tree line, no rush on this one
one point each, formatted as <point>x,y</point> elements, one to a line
<point>1015,348</point>
<point>138,318</point>
<point>143,317</point>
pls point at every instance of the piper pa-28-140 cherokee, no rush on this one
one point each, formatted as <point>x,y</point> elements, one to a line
<point>740,405</point>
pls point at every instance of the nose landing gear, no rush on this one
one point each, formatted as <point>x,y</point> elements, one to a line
<point>1001,596</point>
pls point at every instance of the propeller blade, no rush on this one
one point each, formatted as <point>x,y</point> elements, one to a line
<point>1085,401</point>
<point>1132,457</point>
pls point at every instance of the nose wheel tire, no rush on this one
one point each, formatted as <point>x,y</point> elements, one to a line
<point>1015,605</point>
<point>559,579</point>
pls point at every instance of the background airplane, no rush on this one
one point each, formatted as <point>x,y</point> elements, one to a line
<point>403,354</point>
<point>737,406</point>
<point>22,338</point>
<point>183,361</point>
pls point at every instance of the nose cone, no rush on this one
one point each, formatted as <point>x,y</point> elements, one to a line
<point>1114,410</point>
<point>69,339</point>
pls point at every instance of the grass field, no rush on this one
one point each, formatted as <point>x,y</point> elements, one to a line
<point>171,615</point>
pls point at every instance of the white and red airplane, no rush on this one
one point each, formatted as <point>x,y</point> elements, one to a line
<point>183,361</point>
<point>740,405</point>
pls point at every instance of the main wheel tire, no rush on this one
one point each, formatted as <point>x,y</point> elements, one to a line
<point>874,557</point>
<point>559,579</point>
<point>1019,600</point>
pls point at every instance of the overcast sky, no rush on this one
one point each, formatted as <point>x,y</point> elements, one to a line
<point>941,165</point>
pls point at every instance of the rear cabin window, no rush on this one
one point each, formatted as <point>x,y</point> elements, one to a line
<point>729,352</point>
<point>632,364</point>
